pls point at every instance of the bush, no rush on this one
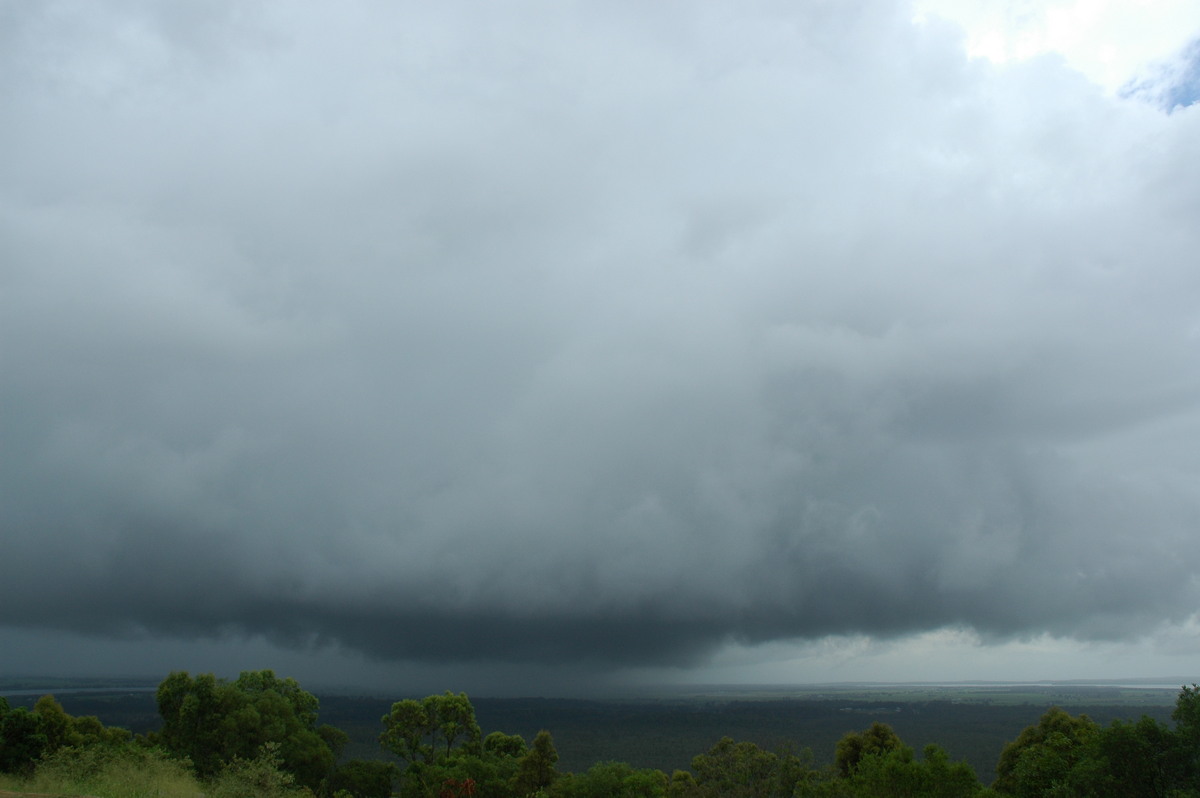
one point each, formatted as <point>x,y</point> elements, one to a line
<point>260,777</point>
<point>113,771</point>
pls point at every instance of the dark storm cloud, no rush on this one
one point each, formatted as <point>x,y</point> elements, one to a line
<point>601,334</point>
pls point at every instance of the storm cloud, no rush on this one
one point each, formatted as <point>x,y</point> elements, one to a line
<point>586,333</point>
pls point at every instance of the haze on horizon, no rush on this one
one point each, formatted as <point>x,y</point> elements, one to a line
<point>549,348</point>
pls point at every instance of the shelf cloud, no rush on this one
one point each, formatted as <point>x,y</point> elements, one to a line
<point>597,334</point>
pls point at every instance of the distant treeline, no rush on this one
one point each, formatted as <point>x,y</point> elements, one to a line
<point>260,735</point>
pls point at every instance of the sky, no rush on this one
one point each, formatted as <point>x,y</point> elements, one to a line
<point>549,348</point>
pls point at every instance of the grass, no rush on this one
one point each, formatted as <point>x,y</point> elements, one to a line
<point>100,772</point>
<point>131,771</point>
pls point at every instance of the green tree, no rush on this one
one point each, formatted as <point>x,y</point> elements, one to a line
<point>438,739</point>
<point>1130,760</point>
<point>537,769</point>
<point>335,739</point>
<point>611,780</point>
<point>683,785</point>
<point>744,770</point>
<point>213,722</point>
<point>192,710</point>
<point>22,739</point>
<point>427,730</point>
<point>455,722</point>
<point>735,769</point>
<point>481,771</point>
<point>878,739</point>
<point>1185,753</point>
<point>62,729</point>
<point>1052,758</point>
<point>57,725</point>
<point>895,773</point>
<point>405,729</point>
<point>501,744</point>
<point>948,779</point>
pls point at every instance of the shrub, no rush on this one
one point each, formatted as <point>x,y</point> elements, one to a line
<point>114,771</point>
<point>261,777</point>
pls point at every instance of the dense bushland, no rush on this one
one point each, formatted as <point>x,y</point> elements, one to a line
<point>259,735</point>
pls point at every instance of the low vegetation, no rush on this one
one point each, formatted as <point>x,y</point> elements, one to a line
<point>259,735</point>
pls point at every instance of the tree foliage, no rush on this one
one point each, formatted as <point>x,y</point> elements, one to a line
<point>537,767</point>
<point>875,763</point>
<point>1072,756</point>
<point>878,739</point>
<point>501,744</point>
<point>214,722</point>
<point>1130,760</point>
<point>1187,737</point>
<point>22,738</point>
<point>438,740</point>
<point>896,773</point>
<point>26,736</point>
<point>610,779</point>
<point>62,729</point>
<point>1043,759</point>
<point>745,770</point>
<point>427,731</point>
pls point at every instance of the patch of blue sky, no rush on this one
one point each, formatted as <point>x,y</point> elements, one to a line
<point>1171,85</point>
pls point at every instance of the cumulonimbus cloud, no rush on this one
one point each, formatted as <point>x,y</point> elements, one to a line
<point>593,335</point>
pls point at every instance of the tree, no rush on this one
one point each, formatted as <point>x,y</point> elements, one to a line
<point>537,768</point>
<point>1042,761</point>
<point>22,738</point>
<point>405,728</point>
<point>213,722</point>
<point>62,729</point>
<point>878,739</point>
<point>735,769</point>
<point>745,769</point>
<point>335,739</point>
<point>682,785</point>
<point>191,710</point>
<point>501,744</point>
<point>427,730</point>
<point>435,737</point>
<point>946,779</point>
<point>1186,753</point>
<point>611,780</point>
<point>1133,760</point>
<point>896,773</point>
<point>454,719</point>
<point>56,723</point>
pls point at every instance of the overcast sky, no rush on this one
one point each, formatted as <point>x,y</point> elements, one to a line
<point>538,347</point>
